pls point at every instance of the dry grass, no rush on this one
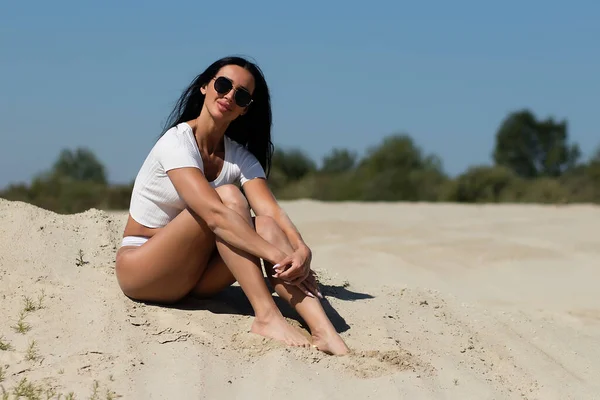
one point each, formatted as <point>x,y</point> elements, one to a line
<point>29,390</point>
<point>29,305</point>
<point>32,353</point>
<point>22,327</point>
<point>5,346</point>
<point>79,261</point>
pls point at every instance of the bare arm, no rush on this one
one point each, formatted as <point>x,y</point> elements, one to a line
<point>228,225</point>
<point>263,202</point>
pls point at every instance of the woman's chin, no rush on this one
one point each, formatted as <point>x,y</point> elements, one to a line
<point>218,117</point>
<point>221,115</point>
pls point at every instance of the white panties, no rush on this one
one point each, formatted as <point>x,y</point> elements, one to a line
<point>134,240</point>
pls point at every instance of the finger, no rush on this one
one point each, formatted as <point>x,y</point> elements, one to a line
<point>289,281</point>
<point>292,273</point>
<point>313,288</point>
<point>297,280</point>
<point>301,277</point>
<point>284,274</point>
<point>277,269</point>
<point>281,267</point>
<point>300,271</point>
<point>283,263</point>
<point>314,285</point>
<point>305,290</point>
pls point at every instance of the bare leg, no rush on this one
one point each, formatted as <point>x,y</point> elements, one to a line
<point>324,335</point>
<point>244,268</point>
<point>166,268</point>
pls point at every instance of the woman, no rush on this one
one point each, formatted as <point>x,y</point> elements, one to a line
<point>190,230</point>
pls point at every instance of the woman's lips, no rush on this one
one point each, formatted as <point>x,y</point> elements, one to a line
<point>223,107</point>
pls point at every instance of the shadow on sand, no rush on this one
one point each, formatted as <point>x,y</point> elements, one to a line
<point>232,300</point>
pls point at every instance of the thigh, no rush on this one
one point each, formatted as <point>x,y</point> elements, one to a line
<point>168,266</point>
<point>216,277</point>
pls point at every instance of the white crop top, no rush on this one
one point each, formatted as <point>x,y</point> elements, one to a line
<point>154,200</point>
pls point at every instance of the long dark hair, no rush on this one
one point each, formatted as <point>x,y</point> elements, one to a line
<point>252,130</point>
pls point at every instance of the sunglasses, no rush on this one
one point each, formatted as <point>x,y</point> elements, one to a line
<point>242,97</point>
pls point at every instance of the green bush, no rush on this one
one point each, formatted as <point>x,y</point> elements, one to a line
<point>482,184</point>
<point>396,169</point>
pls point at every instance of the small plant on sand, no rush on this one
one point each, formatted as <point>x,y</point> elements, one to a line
<point>79,260</point>
<point>4,346</point>
<point>32,352</point>
<point>22,326</point>
<point>95,391</point>
<point>29,305</point>
<point>28,390</point>
<point>36,391</point>
<point>2,374</point>
<point>50,393</point>
<point>41,298</point>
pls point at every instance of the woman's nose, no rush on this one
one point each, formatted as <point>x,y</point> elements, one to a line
<point>229,95</point>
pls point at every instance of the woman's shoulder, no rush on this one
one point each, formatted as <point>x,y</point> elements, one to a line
<point>179,132</point>
<point>180,135</point>
<point>177,148</point>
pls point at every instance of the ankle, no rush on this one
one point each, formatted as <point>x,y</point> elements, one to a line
<point>267,314</point>
<point>324,331</point>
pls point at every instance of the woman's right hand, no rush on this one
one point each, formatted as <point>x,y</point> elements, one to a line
<point>310,286</point>
<point>307,282</point>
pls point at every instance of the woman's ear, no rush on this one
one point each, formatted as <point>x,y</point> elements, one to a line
<point>203,89</point>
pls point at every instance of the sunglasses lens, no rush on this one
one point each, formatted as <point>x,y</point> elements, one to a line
<point>223,85</point>
<point>242,98</point>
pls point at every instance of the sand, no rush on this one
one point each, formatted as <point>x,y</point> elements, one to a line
<point>437,301</point>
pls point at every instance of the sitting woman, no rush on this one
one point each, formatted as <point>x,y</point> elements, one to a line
<point>190,230</point>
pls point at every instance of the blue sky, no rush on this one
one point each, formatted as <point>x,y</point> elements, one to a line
<point>105,75</point>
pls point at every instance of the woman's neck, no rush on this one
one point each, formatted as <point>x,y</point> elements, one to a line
<point>209,135</point>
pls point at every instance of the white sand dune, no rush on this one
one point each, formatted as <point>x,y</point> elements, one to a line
<point>436,301</point>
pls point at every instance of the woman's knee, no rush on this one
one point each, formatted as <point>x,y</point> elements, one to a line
<point>267,228</point>
<point>233,198</point>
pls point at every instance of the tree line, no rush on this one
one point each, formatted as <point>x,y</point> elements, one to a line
<point>534,161</point>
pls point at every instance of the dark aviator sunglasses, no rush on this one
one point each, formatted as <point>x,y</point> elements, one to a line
<point>242,97</point>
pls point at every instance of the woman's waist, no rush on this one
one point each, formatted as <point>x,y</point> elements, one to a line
<point>134,228</point>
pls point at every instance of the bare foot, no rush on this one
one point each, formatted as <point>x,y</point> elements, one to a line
<point>330,343</point>
<point>277,328</point>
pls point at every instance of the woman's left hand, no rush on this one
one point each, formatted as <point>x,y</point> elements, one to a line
<point>299,266</point>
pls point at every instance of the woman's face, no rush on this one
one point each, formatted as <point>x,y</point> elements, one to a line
<point>228,94</point>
